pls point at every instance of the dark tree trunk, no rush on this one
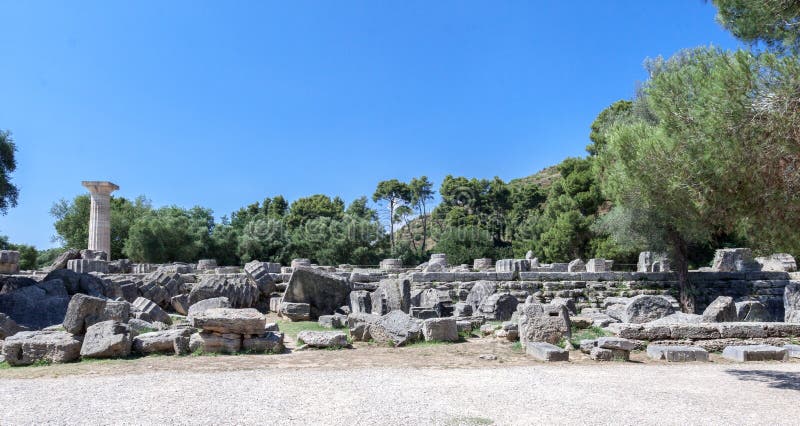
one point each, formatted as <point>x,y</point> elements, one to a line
<point>680,261</point>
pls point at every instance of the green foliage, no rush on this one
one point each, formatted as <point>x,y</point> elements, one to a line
<point>8,164</point>
<point>170,234</point>
<point>676,172</point>
<point>464,244</point>
<point>72,221</point>
<point>590,333</point>
<point>776,23</point>
<point>27,254</point>
<point>316,206</point>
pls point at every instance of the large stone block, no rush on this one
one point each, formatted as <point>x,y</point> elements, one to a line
<point>755,353</point>
<point>147,310</point>
<point>479,292</point>
<point>392,295</point>
<point>295,311</point>
<point>732,260</point>
<point>204,305</point>
<point>791,302</point>
<point>546,352</point>
<point>397,328</point>
<point>271,342</point>
<point>722,309</point>
<point>360,301</point>
<point>779,262</point>
<point>324,292</point>
<point>642,309</point>
<point>107,339</point>
<point>499,307</point>
<point>752,311</point>
<point>543,323</point>
<point>162,342</point>
<point>323,339</point>
<point>677,353</point>
<point>239,289</point>
<point>84,266</point>
<point>440,329</point>
<point>204,342</point>
<point>82,312</point>
<point>230,321</point>
<point>261,275</point>
<point>29,347</point>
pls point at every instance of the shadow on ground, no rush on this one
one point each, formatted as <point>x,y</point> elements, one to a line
<point>774,379</point>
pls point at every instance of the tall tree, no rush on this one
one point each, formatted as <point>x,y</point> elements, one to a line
<point>8,164</point>
<point>421,192</point>
<point>393,193</point>
<point>776,23</point>
<point>700,159</point>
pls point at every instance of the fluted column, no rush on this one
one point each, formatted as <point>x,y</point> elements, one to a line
<point>100,215</point>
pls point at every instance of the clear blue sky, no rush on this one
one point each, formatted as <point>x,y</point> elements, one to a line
<point>223,103</point>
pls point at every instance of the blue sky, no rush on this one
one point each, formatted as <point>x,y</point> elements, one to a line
<point>221,104</point>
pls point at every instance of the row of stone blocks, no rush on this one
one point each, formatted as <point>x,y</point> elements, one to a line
<point>619,349</point>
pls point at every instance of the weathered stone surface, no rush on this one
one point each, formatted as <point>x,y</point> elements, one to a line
<point>203,305</point>
<point>752,311</point>
<point>206,264</point>
<point>162,285</point>
<point>568,303</point>
<point>180,304</point>
<point>677,353</point>
<point>360,301</point>
<point>779,262</point>
<point>324,292</point>
<point>62,259</point>
<point>791,302</point>
<point>543,323</point>
<point>333,321</point>
<point>462,309</point>
<point>240,291</point>
<point>230,321</point>
<point>616,311</point>
<point>735,259</point>
<point>78,283</point>
<point>512,265</point>
<point>300,263</point>
<point>271,342</point>
<point>397,328</point>
<point>793,351</point>
<point>499,306</point>
<point>440,329</point>
<point>147,310</point>
<point>642,309</point>
<point>295,311</point>
<point>28,347</point>
<point>576,265</point>
<point>107,339</point>
<point>483,264</point>
<point>162,342</point>
<point>82,312</point>
<point>117,311</point>
<point>546,352</point>
<point>391,295</point>
<point>596,265</point>
<point>652,262</point>
<point>205,342</point>
<point>755,353</point>
<point>359,324</point>
<point>9,327</point>
<point>261,275</point>
<point>724,330</point>
<point>722,309</point>
<point>33,305</point>
<point>615,343</point>
<point>479,292</point>
<point>678,318</point>
<point>85,266</point>
<point>603,354</point>
<point>323,339</point>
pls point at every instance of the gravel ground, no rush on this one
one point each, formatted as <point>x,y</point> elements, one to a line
<point>761,393</point>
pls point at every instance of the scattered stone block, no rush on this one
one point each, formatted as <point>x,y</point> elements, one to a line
<point>392,295</point>
<point>793,351</point>
<point>295,311</point>
<point>483,264</point>
<point>360,301</point>
<point>162,342</point>
<point>29,347</point>
<point>677,353</point>
<point>204,305</point>
<point>270,342</point>
<point>499,306</point>
<point>397,328</point>
<point>733,260</point>
<point>333,321</point>
<point>722,309</point>
<point>440,329</point>
<point>147,310</point>
<point>323,339</point>
<point>752,311</point>
<point>755,353</point>
<point>543,323</point>
<point>616,343</point>
<point>107,339</point>
<point>779,262</point>
<point>547,352</point>
<point>642,309</point>
<point>791,302</point>
<point>462,309</point>
<point>359,324</point>
<point>603,354</point>
<point>576,265</point>
<point>230,321</point>
<point>206,342</point>
<point>82,312</point>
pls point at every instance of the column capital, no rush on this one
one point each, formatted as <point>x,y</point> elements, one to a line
<point>100,187</point>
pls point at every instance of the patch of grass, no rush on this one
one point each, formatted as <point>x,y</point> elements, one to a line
<point>517,347</point>
<point>292,329</point>
<point>4,365</point>
<point>41,363</point>
<point>793,341</point>
<point>586,334</point>
<point>471,421</point>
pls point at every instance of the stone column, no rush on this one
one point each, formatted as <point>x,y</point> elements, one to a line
<point>100,216</point>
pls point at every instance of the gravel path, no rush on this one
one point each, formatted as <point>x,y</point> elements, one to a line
<point>564,394</point>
